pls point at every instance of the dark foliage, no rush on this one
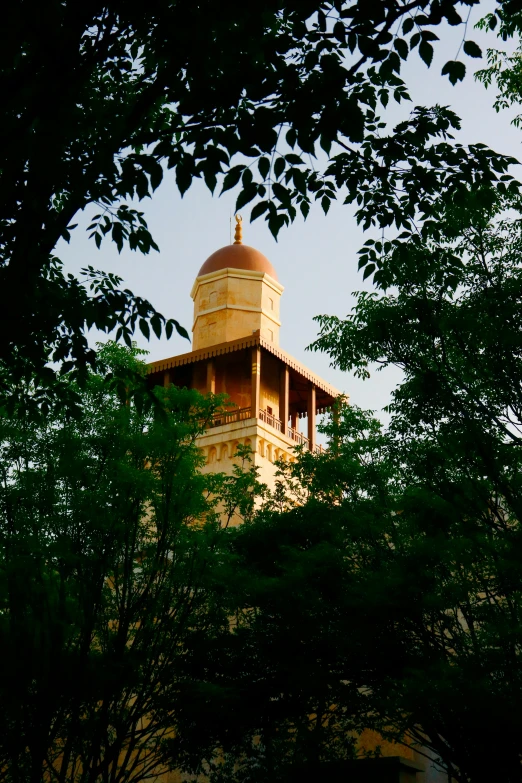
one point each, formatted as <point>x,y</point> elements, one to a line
<point>100,99</point>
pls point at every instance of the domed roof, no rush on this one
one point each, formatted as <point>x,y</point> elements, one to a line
<point>238,256</point>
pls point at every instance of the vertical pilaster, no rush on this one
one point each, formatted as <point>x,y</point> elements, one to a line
<point>336,415</point>
<point>311,408</point>
<point>284,397</point>
<point>211,377</point>
<point>166,378</point>
<point>256,382</point>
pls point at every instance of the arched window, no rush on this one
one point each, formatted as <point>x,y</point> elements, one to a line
<point>212,455</point>
<point>224,451</point>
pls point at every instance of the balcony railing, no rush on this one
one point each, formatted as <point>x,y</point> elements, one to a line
<point>241,414</point>
<point>298,437</point>
<point>268,418</point>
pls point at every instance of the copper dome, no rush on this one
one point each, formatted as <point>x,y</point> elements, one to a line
<point>238,257</point>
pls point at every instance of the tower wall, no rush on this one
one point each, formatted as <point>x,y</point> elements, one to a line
<point>219,446</point>
<point>234,303</point>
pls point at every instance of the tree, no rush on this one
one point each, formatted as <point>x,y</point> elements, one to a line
<point>504,69</point>
<point>387,593</point>
<point>454,329</point>
<point>110,550</point>
<point>293,682</point>
<point>99,103</point>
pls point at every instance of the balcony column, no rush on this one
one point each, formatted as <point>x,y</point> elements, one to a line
<point>256,382</point>
<point>284,395</point>
<point>166,378</point>
<point>211,377</point>
<point>336,415</point>
<point>294,421</point>
<point>311,408</point>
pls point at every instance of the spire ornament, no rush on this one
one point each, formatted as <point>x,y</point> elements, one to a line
<point>238,234</point>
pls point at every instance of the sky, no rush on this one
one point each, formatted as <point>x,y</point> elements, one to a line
<point>316,259</point>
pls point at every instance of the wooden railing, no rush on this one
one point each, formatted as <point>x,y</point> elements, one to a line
<point>302,440</point>
<point>298,437</point>
<point>241,414</point>
<point>268,418</point>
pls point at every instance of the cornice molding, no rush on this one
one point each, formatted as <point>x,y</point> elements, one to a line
<point>252,341</point>
<point>244,274</point>
<point>245,308</point>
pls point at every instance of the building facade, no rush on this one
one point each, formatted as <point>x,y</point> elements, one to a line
<point>236,352</point>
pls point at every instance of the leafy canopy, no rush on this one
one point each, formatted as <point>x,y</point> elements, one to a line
<point>112,555</point>
<point>100,101</point>
<point>393,575</point>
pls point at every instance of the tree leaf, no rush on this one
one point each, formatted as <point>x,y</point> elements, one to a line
<point>183,178</point>
<point>279,167</point>
<point>402,47</point>
<point>232,177</point>
<point>155,322</point>
<point>263,165</point>
<point>144,328</point>
<point>247,194</point>
<point>179,328</point>
<point>258,210</point>
<point>339,31</point>
<point>368,270</point>
<point>426,52</point>
<point>472,49</point>
<point>455,71</point>
<point>281,193</point>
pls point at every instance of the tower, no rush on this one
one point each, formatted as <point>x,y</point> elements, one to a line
<point>236,293</point>
<point>236,352</point>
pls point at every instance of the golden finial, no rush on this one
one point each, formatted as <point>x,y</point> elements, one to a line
<point>238,235</point>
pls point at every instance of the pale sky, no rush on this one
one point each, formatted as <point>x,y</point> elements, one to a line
<point>316,259</point>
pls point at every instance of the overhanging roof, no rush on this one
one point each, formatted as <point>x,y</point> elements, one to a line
<point>237,345</point>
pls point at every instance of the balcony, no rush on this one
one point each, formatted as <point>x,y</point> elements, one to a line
<point>239,414</point>
<point>271,420</point>
<point>298,437</point>
<point>242,414</point>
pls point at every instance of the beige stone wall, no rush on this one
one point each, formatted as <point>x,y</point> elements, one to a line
<point>219,445</point>
<point>232,303</point>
